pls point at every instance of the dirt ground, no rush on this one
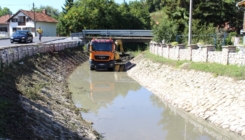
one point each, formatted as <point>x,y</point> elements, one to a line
<point>35,102</point>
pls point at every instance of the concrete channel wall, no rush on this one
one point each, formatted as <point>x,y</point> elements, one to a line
<point>218,100</point>
<point>15,53</point>
<point>206,53</point>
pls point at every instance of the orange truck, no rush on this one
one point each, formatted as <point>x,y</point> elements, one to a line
<point>104,54</point>
<point>101,54</point>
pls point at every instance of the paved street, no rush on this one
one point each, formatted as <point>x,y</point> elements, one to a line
<point>6,42</point>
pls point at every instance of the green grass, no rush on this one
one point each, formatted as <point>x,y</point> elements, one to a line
<point>155,58</point>
<point>135,53</point>
<point>233,71</point>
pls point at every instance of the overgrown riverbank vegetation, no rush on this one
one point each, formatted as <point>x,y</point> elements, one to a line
<point>233,71</point>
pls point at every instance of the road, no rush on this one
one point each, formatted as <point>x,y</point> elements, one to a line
<point>6,42</point>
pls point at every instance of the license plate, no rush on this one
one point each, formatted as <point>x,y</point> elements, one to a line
<point>16,39</point>
<point>101,64</point>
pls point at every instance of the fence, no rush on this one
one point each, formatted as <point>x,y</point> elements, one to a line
<point>204,53</point>
<point>15,53</point>
<point>4,34</point>
<point>209,39</point>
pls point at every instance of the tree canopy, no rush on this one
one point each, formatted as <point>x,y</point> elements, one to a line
<point>103,14</point>
<point>53,12</point>
<point>207,15</point>
<point>67,6</point>
<point>5,11</point>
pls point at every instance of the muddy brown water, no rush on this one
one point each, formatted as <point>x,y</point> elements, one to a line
<point>121,109</point>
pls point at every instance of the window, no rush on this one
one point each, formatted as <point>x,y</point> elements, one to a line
<point>30,33</point>
<point>21,32</point>
<point>28,19</point>
<point>21,19</point>
<point>27,28</point>
<point>33,30</point>
<point>14,29</point>
<point>102,46</point>
<point>14,20</point>
<point>3,29</point>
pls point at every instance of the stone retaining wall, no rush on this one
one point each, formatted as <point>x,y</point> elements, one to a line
<point>219,100</point>
<point>35,101</point>
<point>15,53</point>
<point>206,53</point>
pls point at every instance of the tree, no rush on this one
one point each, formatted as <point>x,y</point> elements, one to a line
<point>141,16</point>
<point>5,11</point>
<point>167,30</point>
<point>53,12</point>
<point>103,14</point>
<point>154,5</point>
<point>205,14</point>
<point>67,6</point>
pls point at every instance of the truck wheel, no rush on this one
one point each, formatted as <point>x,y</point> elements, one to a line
<point>111,69</point>
<point>91,68</point>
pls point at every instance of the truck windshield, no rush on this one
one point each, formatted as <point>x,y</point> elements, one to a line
<point>102,46</point>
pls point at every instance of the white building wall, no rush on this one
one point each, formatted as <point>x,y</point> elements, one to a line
<point>49,29</point>
<point>29,24</point>
<point>11,26</point>
<point>19,14</point>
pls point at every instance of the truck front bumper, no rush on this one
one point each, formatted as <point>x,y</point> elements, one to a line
<point>101,65</point>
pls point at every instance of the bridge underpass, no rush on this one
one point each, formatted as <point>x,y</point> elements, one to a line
<point>124,39</point>
<point>141,36</point>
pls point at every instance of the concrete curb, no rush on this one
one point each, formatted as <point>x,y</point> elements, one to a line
<point>4,38</point>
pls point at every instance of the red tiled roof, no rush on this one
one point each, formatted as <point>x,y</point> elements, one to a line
<point>39,16</point>
<point>3,19</point>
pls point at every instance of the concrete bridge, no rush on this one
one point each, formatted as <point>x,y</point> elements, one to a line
<point>144,36</point>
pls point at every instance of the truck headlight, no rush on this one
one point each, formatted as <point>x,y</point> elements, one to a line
<point>11,37</point>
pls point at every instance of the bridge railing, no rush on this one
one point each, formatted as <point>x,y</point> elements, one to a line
<point>113,33</point>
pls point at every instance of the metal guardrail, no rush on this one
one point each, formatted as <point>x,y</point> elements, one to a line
<point>112,33</point>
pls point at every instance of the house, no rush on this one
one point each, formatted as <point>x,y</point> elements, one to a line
<point>4,26</point>
<point>24,20</point>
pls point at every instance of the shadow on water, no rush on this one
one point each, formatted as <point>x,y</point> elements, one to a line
<point>120,108</point>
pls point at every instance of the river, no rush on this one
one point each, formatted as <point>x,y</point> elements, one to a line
<point>121,109</point>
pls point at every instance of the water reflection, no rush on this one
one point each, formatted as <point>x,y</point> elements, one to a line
<point>181,125</point>
<point>121,109</point>
<point>93,90</point>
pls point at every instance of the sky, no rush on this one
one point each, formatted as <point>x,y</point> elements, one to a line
<point>15,5</point>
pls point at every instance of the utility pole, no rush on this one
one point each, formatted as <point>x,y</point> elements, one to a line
<point>190,24</point>
<point>34,20</point>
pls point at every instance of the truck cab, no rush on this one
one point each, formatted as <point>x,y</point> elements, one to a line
<point>101,54</point>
